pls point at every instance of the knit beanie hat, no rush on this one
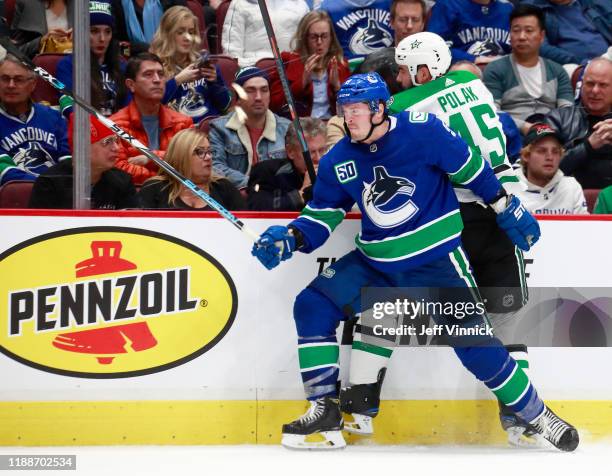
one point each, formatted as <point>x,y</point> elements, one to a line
<point>100,13</point>
<point>244,74</point>
<point>97,130</point>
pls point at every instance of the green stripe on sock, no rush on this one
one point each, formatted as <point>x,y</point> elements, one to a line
<point>524,364</point>
<point>513,388</point>
<point>314,356</point>
<point>372,349</point>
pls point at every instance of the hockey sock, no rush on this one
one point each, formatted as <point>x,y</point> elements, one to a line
<point>318,357</point>
<point>366,362</point>
<point>500,372</point>
<point>316,319</point>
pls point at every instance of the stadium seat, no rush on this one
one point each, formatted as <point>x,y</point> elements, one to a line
<point>228,66</point>
<point>44,92</point>
<point>576,76</point>
<point>9,11</point>
<point>198,11</point>
<point>268,65</point>
<point>204,125</point>
<point>221,12</point>
<point>591,195</point>
<point>15,194</point>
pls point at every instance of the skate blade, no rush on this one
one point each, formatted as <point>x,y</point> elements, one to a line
<point>325,440</point>
<point>359,424</point>
<point>518,439</point>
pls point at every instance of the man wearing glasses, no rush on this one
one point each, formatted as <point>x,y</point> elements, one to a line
<point>111,188</point>
<point>33,136</point>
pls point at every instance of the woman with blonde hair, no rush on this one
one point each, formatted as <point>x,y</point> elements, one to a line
<point>190,154</point>
<point>315,68</point>
<point>195,88</point>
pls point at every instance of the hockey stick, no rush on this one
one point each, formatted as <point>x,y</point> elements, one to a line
<point>131,140</point>
<point>286,90</point>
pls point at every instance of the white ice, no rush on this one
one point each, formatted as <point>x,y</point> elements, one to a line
<point>587,460</point>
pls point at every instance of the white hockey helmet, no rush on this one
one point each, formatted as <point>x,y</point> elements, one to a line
<point>423,48</point>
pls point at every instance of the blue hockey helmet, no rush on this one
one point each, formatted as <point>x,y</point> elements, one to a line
<point>368,87</point>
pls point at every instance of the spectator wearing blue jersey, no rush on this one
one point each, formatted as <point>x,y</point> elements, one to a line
<point>362,26</point>
<point>33,137</point>
<point>478,30</point>
<point>108,92</point>
<point>576,30</point>
<point>524,84</point>
<point>198,91</point>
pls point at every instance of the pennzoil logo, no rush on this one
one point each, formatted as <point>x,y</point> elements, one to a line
<point>111,302</point>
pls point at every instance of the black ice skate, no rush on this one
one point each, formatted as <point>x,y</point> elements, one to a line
<point>556,431</point>
<point>319,428</point>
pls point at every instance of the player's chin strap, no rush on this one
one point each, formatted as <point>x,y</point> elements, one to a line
<point>372,127</point>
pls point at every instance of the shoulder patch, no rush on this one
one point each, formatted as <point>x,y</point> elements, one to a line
<point>346,171</point>
<point>417,117</point>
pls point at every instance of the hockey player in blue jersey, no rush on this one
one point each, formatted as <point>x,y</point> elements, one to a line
<point>410,237</point>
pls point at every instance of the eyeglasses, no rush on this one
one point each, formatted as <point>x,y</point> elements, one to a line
<point>315,38</point>
<point>201,152</point>
<point>18,80</point>
<point>110,140</point>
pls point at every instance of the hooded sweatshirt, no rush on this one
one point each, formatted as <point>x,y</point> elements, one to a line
<point>561,196</point>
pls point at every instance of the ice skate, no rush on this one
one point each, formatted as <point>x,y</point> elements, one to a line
<point>319,428</point>
<point>556,431</point>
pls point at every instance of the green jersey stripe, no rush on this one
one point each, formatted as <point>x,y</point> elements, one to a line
<point>513,387</point>
<point>469,171</point>
<point>414,242</point>
<point>330,218</point>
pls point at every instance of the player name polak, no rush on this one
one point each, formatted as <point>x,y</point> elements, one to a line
<point>454,330</point>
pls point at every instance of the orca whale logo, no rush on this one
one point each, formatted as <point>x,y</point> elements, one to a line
<point>370,39</point>
<point>192,105</point>
<point>386,200</point>
<point>33,158</point>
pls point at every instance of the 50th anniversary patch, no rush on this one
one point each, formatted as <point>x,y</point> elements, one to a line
<point>111,302</point>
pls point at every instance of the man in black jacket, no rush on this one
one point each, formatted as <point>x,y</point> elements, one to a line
<point>283,184</point>
<point>111,188</point>
<point>586,129</point>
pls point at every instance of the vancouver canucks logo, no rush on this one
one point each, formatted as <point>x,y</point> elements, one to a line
<point>486,47</point>
<point>369,39</point>
<point>33,159</point>
<point>192,104</point>
<point>386,200</point>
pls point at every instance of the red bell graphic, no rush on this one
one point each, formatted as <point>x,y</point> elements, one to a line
<point>105,259</point>
<point>107,342</point>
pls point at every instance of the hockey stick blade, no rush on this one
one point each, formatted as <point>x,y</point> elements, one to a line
<point>44,74</point>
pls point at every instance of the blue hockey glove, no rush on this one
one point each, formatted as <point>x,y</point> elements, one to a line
<point>520,226</point>
<point>275,244</point>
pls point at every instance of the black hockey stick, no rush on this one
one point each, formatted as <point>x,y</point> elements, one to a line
<point>286,90</point>
<point>12,50</point>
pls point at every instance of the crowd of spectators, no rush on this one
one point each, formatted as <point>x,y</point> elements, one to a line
<point>547,63</point>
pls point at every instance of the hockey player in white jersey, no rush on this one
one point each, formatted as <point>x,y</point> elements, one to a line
<point>410,237</point>
<point>462,102</point>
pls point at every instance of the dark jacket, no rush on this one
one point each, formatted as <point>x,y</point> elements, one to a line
<point>53,189</point>
<point>274,186</point>
<point>599,12</point>
<point>156,193</point>
<point>593,169</point>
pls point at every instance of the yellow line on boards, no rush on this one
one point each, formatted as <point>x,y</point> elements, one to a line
<point>231,422</point>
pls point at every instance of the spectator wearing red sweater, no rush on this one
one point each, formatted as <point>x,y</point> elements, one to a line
<point>315,69</point>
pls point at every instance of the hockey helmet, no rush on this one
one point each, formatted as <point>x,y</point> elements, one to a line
<point>369,88</point>
<point>423,48</point>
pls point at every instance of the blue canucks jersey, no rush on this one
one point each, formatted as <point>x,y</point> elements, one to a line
<point>402,186</point>
<point>362,26</point>
<point>29,147</point>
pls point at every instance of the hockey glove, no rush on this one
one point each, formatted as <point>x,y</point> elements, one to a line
<point>520,226</point>
<point>276,244</point>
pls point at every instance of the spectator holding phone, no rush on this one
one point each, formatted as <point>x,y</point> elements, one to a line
<point>195,86</point>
